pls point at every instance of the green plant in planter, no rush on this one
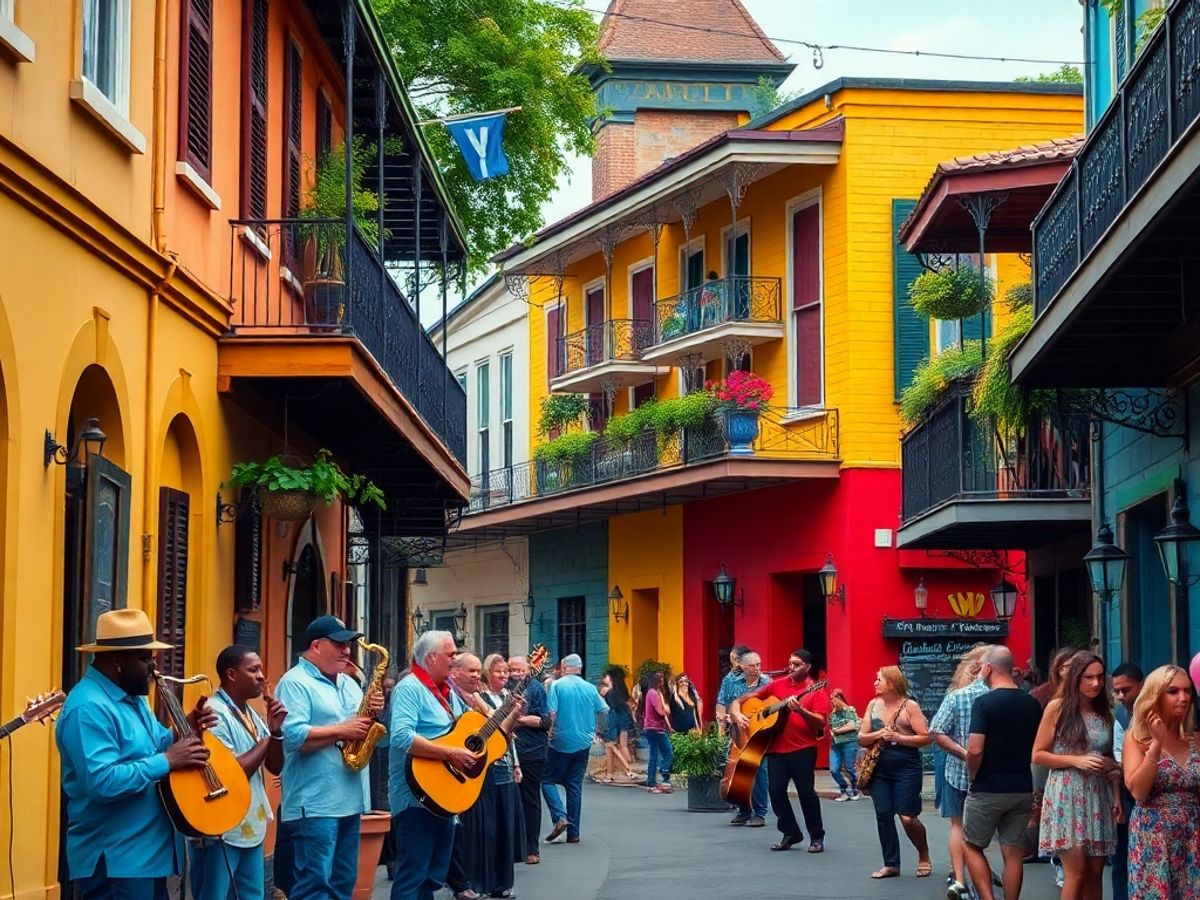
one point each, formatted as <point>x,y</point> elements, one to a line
<point>621,431</point>
<point>952,293</point>
<point>1018,295</point>
<point>562,411</point>
<point>699,755</point>
<point>994,395</point>
<point>677,413</point>
<point>567,447</point>
<point>935,376</point>
<point>324,479</point>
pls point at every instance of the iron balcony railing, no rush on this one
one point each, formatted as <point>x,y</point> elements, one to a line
<point>617,339</point>
<point>781,435</point>
<point>1155,106</point>
<point>737,298</point>
<point>303,277</point>
<point>950,455</point>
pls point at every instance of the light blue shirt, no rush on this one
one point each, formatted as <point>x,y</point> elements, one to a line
<point>415,711</point>
<point>112,760</point>
<point>574,703</point>
<point>231,731</point>
<point>319,783</point>
<point>1118,739</point>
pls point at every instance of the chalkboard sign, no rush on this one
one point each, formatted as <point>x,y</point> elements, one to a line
<point>247,633</point>
<point>929,664</point>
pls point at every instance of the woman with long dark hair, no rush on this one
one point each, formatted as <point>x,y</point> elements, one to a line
<point>1081,804</point>
<point>655,716</point>
<point>684,699</point>
<point>617,725</point>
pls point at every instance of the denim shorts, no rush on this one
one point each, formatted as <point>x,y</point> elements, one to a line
<point>950,804</point>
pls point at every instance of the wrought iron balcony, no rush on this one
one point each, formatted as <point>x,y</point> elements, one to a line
<point>309,278</point>
<point>968,484</point>
<point>699,320</point>
<point>780,437</point>
<point>1154,108</point>
<point>606,350</point>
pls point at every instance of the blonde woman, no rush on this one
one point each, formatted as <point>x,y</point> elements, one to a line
<point>896,720</point>
<point>1161,764</point>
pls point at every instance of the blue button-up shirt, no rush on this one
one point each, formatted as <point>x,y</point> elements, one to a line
<point>112,751</point>
<point>318,783</point>
<point>734,685</point>
<point>574,703</point>
<point>953,719</point>
<point>415,711</point>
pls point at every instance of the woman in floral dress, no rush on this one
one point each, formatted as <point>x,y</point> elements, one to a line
<point>1081,804</point>
<point>1162,770</point>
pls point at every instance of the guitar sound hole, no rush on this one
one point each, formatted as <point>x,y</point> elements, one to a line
<point>474,743</point>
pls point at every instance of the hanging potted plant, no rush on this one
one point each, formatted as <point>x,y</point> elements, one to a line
<point>699,757</point>
<point>288,494</point>
<point>742,397</point>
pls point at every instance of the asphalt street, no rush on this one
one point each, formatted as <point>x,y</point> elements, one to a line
<point>640,845</point>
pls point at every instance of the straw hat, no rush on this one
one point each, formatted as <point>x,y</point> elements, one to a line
<point>124,629</point>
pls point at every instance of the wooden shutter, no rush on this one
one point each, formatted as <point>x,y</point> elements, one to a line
<point>806,304</point>
<point>911,330</point>
<point>324,125</point>
<point>293,95</point>
<point>172,577</point>
<point>254,109</point>
<point>247,559</point>
<point>106,558</point>
<point>553,330</point>
<point>195,91</point>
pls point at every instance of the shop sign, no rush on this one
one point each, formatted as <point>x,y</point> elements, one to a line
<point>975,628</point>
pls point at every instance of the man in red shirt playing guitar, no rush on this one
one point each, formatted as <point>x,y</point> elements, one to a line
<point>792,754</point>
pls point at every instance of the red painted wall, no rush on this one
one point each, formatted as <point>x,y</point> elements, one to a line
<point>769,538</point>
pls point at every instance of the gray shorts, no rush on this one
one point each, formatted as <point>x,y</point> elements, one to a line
<point>986,814</point>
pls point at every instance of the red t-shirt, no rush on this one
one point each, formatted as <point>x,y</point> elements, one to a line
<point>797,733</point>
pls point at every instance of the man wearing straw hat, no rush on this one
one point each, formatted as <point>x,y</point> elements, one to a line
<point>120,843</point>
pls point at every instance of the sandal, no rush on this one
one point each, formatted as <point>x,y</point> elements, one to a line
<point>532,859</point>
<point>886,872</point>
<point>924,869</point>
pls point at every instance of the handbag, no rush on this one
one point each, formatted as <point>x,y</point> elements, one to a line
<point>864,767</point>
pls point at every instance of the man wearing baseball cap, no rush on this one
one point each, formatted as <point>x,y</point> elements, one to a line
<point>120,842</point>
<point>322,797</point>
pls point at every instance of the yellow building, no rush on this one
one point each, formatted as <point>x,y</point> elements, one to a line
<point>126,297</point>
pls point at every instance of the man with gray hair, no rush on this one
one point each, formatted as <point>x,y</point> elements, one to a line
<point>1004,723</point>
<point>423,708</point>
<point>576,712</point>
<point>748,677</point>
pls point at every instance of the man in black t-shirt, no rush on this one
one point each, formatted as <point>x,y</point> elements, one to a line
<point>1004,723</point>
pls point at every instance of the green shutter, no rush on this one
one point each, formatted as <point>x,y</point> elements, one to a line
<point>972,327</point>
<point>911,333</point>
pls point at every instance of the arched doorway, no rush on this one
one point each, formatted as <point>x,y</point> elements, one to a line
<point>308,594</point>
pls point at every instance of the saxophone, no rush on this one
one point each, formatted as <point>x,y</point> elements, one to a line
<point>356,754</point>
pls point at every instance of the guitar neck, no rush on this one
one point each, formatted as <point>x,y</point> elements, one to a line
<point>776,707</point>
<point>9,727</point>
<point>502,711</point>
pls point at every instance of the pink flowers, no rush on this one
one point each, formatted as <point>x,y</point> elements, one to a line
<point>742,390</point>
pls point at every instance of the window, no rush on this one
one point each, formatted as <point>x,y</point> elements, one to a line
<point>106,49</point>
<point>254,109</point>
<point>572,628</point>
<point>553,332</point>
<point>6,10</point>
<point>195,91</point>
<point>461,377</point>
<point>293,115</point>
<point>808,388</point>
<point>172,578</point>
<point>642,393</point>
<point>483,402</point>
<point>493,630</point>
<point>506,408</point>
<point>910,329</point>
<point>946,332</point>
<point>593,320</point>
<point>691,265</point>
<point>12,38</point>
<point>324,125</point>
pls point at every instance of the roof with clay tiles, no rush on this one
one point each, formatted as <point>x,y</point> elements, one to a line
<point>1025,155</point>
<point>718,31</point>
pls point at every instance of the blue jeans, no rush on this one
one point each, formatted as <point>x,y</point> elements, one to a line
<point>98,886</point>
<point>759,795</point>
<point>209,874</point>
<point>326,850</point>
<point>568,770</point>
<point>661,754</point>
<point>844,756</point>
<point>895,791</point>
<point>423,845</point>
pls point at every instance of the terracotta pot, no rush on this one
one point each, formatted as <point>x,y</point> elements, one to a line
<point>287,506</point>
<point>372,830</point>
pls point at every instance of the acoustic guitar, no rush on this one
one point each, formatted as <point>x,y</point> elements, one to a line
<point>766,721</point>
<point>39,709</point>
<point>447,791</point>
<point>207,801</point>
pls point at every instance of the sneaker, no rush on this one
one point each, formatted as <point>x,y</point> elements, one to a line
<point>841,798</point>
<point>956,890</point>
<point>739,819</point>
<point>756,822</point>
<point>1059,877</point>
<point>856,796</point>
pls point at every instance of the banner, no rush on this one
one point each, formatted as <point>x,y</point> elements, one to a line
<point>480,140</point>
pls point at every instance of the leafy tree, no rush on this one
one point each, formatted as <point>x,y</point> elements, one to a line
<point>1064,74</point>
<point>765,97</point>
<point>460,56</point>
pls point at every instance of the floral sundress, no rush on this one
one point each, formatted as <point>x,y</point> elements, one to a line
<point>1164,848</point>
<point>1077,806</point>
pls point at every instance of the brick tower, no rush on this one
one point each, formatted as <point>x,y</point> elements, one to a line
<point>671,88</point>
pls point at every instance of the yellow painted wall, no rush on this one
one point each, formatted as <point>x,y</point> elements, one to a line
<point>645,559</point>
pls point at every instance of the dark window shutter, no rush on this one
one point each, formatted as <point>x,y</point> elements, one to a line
<point>247,558</point>
<point>106,572</point>
<point>254,109</point>
<point>195,94</point>
<point>553,331</point>
<point>324,125</point>
<point>172,577</point>
<point>806,304</point>
<point>293,93</point>
<point>911,332</point>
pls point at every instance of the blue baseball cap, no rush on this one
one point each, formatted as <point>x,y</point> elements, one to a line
<point>330,627</point>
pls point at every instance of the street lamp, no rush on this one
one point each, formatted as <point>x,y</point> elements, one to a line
<point>921,596</point>
<point>420,579</point>
<point>1004,599</point>
<point>1173,540</point>
<point>527,609</point>
<point>830,589</point>
<point>617,604</point>
<point>1105,564</point>
<point>91,440</point>
<point>724,589</point>
<point>418,621</point>
<point>460,625</point>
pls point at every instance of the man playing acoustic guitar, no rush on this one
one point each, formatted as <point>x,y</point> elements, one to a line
<point>792,754</point>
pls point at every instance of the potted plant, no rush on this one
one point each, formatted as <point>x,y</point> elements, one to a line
<point>373,828</point>
<point>699,757</point>
<point>288,494</point>
<point>561,412</point>
<point>562,462</point>
<point>742,397</point>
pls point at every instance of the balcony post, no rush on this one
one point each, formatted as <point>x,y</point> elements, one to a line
<point>417,179</point>
<point>349,36</point>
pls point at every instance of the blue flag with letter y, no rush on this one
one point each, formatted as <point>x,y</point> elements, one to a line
<point>480,140</point>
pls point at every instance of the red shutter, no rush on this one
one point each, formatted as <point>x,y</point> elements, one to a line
<point>172,577</point>
<point>195,87</point>
<point>806,304</point>
<point>254,109</point>
<point>553,332</point>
